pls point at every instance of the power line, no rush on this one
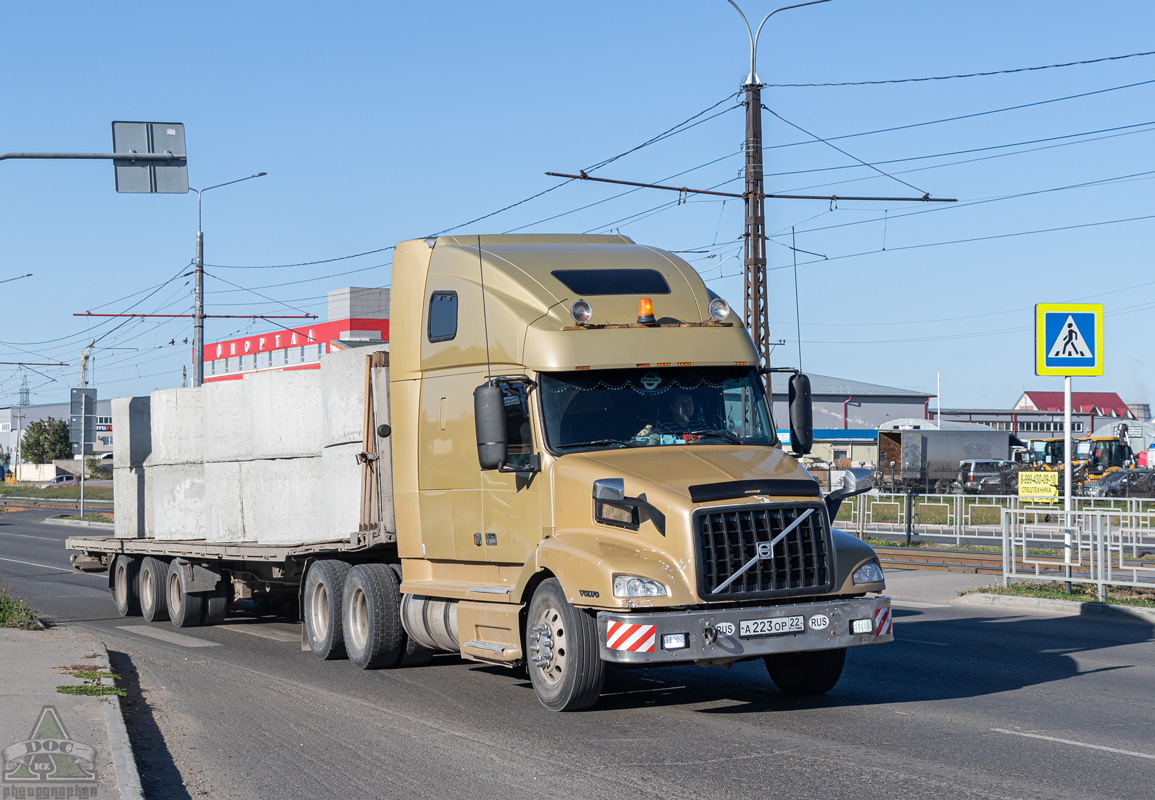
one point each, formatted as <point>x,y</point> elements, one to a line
<point>966,75</point>
<point>303,263</point>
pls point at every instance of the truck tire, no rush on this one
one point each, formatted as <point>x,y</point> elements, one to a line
<point>217,602</point>
<point>561,643</point>
<point>185,608</point>
<point>808,672</point>
<point>321,608</point>
<point>415,654</point>
<point>371,617</point>
<point>153,592</point>
<point>126,585</point>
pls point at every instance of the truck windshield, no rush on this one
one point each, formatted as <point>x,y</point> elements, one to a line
<point>648,407</point>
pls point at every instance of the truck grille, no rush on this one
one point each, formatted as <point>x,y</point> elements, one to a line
<point>728,539</point>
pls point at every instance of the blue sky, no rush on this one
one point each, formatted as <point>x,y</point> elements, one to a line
<point>379,122</point>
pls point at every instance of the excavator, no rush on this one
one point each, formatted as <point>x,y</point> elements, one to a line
<point>1095,456</point>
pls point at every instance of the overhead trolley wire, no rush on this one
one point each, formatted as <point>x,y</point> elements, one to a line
<point>965,75</point>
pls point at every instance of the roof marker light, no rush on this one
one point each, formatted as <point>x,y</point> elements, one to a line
<point>581,311</point>
<point>719,309</point>
<point>646,311</point>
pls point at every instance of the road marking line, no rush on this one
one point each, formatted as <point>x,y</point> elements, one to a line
<point>1061,650</point>
<point>920,641</point>
<point>171,637</point>
<point>1077,744</point>
<point>916,604</point>
<point>255,630</point>
<point>26,536</point>
<point>34,564</point>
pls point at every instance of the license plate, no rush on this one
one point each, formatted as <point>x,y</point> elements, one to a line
<point>752,628</point>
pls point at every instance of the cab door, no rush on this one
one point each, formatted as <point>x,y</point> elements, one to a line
<point>511,496</point>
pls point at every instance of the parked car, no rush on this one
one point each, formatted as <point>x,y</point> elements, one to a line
<point>988,476</point>
<point>1123,483</point>
<point>60,480</point>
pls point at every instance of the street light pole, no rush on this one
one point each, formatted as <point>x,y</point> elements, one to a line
<point>199,304</point>
<point>757,315</point>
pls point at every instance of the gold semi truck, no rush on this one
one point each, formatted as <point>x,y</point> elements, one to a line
<point>564,460</point>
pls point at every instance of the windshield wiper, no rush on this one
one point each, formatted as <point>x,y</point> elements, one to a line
<point>717,432</point>
<point>599,442</point>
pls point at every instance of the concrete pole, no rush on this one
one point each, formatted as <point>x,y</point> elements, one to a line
<point>199,310</point>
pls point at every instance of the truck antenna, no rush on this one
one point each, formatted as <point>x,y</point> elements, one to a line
<point>484,316</point>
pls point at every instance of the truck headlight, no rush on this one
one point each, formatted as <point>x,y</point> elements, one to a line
<point>633,586</point>
<point>719,309</point>
<point>869,572</point>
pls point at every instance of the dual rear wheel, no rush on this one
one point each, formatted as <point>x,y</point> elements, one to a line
<point>158,590</point>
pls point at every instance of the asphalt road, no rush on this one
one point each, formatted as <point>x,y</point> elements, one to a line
<point>963,704</point>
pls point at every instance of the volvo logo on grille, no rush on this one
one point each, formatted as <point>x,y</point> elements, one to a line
<point>765,551</point>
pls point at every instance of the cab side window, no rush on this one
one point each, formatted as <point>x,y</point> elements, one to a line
<point>442,316</point>
<point>518,436</point>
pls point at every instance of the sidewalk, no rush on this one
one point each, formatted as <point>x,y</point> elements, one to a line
<point>932,586</point>
<point>59,745</point>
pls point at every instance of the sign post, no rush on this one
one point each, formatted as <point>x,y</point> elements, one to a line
<point>1068,342</point>
<point>81,430</point>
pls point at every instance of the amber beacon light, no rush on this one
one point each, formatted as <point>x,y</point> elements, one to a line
<point>646,311</point>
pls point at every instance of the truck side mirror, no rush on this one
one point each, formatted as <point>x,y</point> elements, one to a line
<point>489,419</point>
<point>854,481</point>
<point>801,415</point>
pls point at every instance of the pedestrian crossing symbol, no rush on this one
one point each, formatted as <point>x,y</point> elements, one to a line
<point>1068,339</point>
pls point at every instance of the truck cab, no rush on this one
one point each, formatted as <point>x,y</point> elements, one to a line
<point>579,419</point>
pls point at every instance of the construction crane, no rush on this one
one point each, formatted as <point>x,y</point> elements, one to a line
<point>84,357</point>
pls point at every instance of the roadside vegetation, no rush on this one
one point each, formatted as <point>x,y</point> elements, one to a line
<point>93,682</point>
<point>15,613</point>
<point>1080,592</point>
<point>88,517</point>
<point>62,493</point>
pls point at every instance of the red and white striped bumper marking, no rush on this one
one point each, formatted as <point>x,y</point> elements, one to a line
<point>631,638</point>
<point>881,621</point>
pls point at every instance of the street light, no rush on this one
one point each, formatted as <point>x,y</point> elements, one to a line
<point>754,263</point>
<point>199,307</point>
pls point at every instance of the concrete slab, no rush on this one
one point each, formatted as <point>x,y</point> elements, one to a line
<point>130,493</point>
<point>286,412</point>
<point>285,501</point>
<point>176,507</point>
<point>228,429</point>
<point>224,500</point>
<point>343,390</point>
<point>177,427</point>
<point>132,421</point>
<point>342,475</point>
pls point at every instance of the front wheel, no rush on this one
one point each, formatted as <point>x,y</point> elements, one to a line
<point>808,672</point>
<point>561,644</point>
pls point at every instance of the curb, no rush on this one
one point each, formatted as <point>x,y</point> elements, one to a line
<point>1063,608</point>
<point>123,760</point>
<point>56,520</point>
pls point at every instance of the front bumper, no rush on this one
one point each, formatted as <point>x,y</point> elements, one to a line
<point>714,634</point>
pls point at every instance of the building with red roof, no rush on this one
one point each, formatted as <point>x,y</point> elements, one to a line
<point>1099,404</point>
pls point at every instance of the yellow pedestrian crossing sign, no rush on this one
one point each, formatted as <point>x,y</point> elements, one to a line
<point>1069,339</point>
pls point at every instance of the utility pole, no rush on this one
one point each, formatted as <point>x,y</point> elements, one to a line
<point>757,315</point>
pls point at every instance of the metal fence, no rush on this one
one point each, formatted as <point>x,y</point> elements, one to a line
<point>1104,547</point>
<point>976,519</point>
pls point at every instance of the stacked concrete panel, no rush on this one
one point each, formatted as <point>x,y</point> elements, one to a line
<point>131,419</point>
<point>270,459</point>
<point>175,485</point>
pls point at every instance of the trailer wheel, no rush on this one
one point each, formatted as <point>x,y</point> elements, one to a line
<point>185,608</point>
<point>415,654</point>
<point>216,602</point>
<point>126,585</point>
<point>371,618</point>
<point>153,592</point>
<point>324,587</point>
<point>808,672</point>
<point>561,643</point>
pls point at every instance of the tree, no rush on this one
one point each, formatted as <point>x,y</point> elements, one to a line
<point>45,441</point>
